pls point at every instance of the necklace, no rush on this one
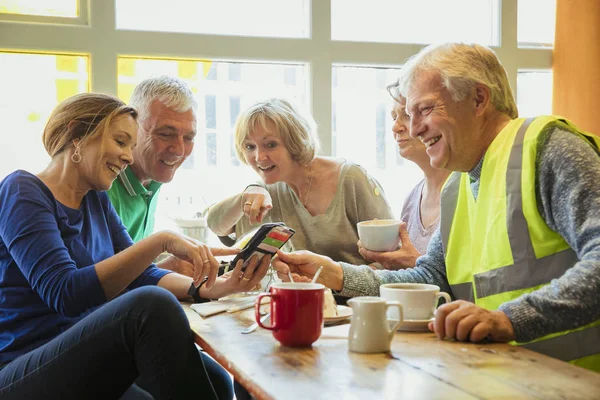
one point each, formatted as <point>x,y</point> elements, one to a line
<point>310,182</point>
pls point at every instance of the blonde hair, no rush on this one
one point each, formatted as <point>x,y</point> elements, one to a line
<point>461,66</point>
<point>81,117</point>
<point>297,130</point>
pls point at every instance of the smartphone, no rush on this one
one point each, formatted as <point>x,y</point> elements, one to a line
<point>266,239</point>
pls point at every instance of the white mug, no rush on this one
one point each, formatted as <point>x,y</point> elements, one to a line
<point>379,234</point>
<point>370,330</point>
<point>193,227</point>
<point>419,300</point>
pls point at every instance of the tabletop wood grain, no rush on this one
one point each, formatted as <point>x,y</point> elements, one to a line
<point>419,366</point>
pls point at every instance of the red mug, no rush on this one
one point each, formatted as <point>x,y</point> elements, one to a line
<point>296,312</point>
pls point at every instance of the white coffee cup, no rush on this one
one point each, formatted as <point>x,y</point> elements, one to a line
<point>193,227</point>
<point>419,300</point>
<point>379,234</point>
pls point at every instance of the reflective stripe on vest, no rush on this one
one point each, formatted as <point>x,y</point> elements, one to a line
<point>569,347</point>
<point>527,272</point>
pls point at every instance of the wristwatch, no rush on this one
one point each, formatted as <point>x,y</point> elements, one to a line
<point>195,292</point>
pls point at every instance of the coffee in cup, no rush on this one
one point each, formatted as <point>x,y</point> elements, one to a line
<point>379,234</point>
<point>296,312</point>
<point>419,300</point>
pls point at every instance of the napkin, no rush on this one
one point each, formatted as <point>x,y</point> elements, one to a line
<point>229,304</point>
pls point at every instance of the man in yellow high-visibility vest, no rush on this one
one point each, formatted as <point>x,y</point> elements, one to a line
<point>519,240</point>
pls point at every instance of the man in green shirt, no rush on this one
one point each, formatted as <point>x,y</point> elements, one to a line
<point>166,131</point>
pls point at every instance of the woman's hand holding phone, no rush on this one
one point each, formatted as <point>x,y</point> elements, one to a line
<point>256,203</point>
<point>198,254</point>
<point>238,280</point>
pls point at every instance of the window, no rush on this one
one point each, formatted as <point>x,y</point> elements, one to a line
<point>333,56</point>
<point>534,93</point>
<point>210,111</point>
<point>234,110</point>
<point>536,20</point>
<point>270,18</point>
<point>28,98</point>
<point>409,21</point>
<point>49,8</point>
<point>363,129</point>
<point>220,100</point>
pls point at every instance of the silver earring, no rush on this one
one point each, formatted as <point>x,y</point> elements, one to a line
<point>76,156</point>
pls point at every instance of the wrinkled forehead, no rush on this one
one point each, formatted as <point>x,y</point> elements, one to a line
<point>424,85</point>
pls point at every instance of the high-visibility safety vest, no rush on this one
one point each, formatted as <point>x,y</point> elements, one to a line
<point>498,247</point>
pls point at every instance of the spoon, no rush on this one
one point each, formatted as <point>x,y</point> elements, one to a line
<point>253,327</point>
<point>314,279</point>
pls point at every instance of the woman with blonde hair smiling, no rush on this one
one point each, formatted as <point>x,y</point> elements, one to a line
<point>84,312</point>
<point>321,198</point>
<point>421,210</point>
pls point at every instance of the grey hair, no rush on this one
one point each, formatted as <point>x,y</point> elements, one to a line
<point>461,66</point>
<point>394,90</point>
<point>171,91</point>
<point>297,129</point>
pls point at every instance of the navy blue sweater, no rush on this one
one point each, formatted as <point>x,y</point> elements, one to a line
<point>48,254</point>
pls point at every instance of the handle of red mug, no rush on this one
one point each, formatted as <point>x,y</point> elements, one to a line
<point>257,311</point>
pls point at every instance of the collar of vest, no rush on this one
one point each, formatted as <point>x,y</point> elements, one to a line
<point>133,185</point>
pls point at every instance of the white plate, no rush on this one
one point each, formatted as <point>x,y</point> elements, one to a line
<point>415,325</point>
<point>343,313</point>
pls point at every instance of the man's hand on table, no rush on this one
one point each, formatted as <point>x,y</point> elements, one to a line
<point>465,321</point>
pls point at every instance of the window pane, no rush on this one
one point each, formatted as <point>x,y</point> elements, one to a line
<point>200,181</point>
<point>362,131</point>
<point>210,111</point>
<point>32,85</point>
<point>51,8</point>
<point>271,18</point>
<point>536,20</point>
<point>409,21</point>
<point>534,93</point>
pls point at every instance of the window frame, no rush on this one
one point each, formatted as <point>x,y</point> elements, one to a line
<point>95,35</point>
<point>83,6</point>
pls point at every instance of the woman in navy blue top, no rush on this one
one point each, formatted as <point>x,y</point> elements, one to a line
<point>83,311</point>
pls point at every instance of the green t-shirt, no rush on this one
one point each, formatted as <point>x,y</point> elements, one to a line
<point>134,203</point>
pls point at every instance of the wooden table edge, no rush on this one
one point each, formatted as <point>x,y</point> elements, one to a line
<point>238,375</point>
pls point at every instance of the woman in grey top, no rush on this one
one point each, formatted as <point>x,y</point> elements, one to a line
<point>421,209</point>
<point>321,198</point>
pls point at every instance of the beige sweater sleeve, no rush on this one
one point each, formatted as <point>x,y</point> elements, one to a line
<point>224,215</point>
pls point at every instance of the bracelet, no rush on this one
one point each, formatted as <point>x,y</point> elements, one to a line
<point>195,292</point>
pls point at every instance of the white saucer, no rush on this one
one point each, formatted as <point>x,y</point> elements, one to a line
<point>415,325</point>
<point>344,312</point>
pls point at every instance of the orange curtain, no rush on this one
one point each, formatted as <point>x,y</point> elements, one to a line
<point>576,63</point>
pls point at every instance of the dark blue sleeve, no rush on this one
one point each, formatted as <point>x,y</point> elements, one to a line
<point>150,276</point>
<point>120,236</point>
<point>29,229</point>
<point>122,240</point>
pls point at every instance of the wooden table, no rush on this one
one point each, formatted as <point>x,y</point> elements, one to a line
<point>419,366</point>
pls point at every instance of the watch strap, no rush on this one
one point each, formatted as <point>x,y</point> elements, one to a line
<point>195,291</point>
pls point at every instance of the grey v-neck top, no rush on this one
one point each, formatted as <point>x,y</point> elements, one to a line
<point>411,214</point>
<point>359,197</point>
